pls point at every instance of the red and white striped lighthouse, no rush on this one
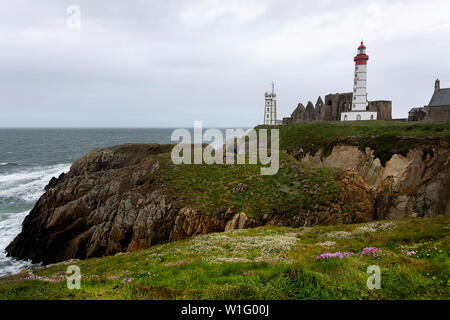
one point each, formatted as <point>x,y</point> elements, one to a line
<point>360,82</point>
<point>359,101</point>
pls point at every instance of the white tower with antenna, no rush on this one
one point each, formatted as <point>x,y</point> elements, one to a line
<point>270,107</point>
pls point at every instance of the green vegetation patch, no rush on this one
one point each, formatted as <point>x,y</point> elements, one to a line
<point>263,263</point>
<point>385,146</point>
<point>384,137</point>
<point>216,188</point>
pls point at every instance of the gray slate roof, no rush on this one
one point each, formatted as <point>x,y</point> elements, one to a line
<point>440,98</point>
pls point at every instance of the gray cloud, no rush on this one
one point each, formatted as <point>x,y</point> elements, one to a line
<point>168,63</point>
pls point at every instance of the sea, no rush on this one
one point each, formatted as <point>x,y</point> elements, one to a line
<point>29,158</point>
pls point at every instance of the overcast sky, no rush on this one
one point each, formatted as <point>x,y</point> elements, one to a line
<point>167,63</point>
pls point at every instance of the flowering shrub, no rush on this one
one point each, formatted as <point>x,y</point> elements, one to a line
<point>327,244</point>
<point>234,246</point>
<point>364,229</point>
<point>178,263</point>
<point>374,227</point>
<point>368,251</point>
<point>333,255</point>
<point>32,276</point>
<point>125,280</point>
<point>372,252</point>
<point>338,235</point>
<point>424,250</point>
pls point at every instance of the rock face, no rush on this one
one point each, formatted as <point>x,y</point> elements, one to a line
<point>415,185</point>
<point>111,201</point>
<point>106,204</point>
<point>239,221</point>
<point>356,205</point>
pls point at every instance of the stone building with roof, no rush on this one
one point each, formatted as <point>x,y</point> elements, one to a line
<point>417,114</point>
<point>439,107</point>
<point>438,110</point>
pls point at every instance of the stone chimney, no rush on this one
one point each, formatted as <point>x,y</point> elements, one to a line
<point>437,85</point>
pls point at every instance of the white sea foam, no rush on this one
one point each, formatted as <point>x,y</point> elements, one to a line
<point>10,226</point>
<point>21,186</point>
<point>28,185</point>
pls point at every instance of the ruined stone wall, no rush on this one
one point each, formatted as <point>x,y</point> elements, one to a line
<point>334,105</point>
<point>339,102</point>
<point>383,109</point>
<point>287,120</point>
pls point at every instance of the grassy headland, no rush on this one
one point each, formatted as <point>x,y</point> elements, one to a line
<point>212,188</point>
<point>384,137</point>
<point>209,188</point>
<point>263,263</point>
<point>268,262</point>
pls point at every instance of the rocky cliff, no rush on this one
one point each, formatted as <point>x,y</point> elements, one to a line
<point>118,199</point>
<point>417,184</point>
<point>107,204</point>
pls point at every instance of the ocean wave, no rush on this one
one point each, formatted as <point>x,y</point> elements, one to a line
<point>9,164</point>
<point>28,185</point>
<point>18,189</point>
<point>10,226</point>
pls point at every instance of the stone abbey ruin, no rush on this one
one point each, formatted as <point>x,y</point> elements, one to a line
<point>334,105</point>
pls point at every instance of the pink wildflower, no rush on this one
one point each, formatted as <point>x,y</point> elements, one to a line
<point>125,280</point>
<point>175,263</point>
<point>338,254</point>
<point>372,251</point>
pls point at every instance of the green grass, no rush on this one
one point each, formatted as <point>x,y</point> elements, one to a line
<point>322,136</point>
<point>269,262</point>
<point>211,188</point>
<point>264,263</point>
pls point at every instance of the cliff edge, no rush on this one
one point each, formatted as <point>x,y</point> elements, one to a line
<point>132,196</point>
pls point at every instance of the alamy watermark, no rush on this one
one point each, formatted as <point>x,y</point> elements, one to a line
<point>374,281</point>
<point>73,21</point>
<point>73,277</point>
<point>255,142</point>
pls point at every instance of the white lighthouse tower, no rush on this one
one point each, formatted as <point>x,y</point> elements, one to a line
<point>359,101</point>
<point>270,107</point>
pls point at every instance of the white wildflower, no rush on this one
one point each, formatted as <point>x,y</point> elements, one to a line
<point>327,244</point>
